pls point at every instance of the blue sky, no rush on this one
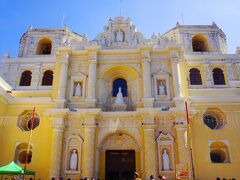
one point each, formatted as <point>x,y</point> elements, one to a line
<point>90,16</point>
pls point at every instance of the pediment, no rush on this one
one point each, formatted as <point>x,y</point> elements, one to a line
<point>165,137</point>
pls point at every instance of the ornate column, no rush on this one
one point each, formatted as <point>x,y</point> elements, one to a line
<point>208,75</point>
<point>36,77</point>
<point>89,147</point>
<point>183,151</point>
<point>91,94</point>
<point>230,72</point>
<point>150,156</point>
<point>56,149</point>
<point>238,69</point>
<point>147,86</point>
<point>63,76</point>
<point>177,79</point>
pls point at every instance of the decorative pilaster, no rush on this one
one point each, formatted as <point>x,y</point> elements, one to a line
<point>91,94</point>
<point>63,76</point>
<point>177,79</point>
<point>147,86</point>
<point>208,75</point>
<point>238,71</point>
<point>89,148</point>
<point>56,149</point>
<point>36,76</point>
<point>184,156</point>
<point>230,72</point>
<point>150,157</point>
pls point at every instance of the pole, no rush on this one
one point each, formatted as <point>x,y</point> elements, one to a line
<point>189,135</point>
<point>29,143</point>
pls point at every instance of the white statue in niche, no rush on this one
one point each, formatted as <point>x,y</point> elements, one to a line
<point>78,90</point>
<point>119,99</point>
<point>73,160</point>
<point>135,40</point>
<point>103,41</point>
<point>166,161</point>
<point>119,36</point>
<point>161,89</point>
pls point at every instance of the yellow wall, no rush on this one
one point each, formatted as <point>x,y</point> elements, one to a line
<point>3,107</point>
<point>201,134</point>
<point>10,134</point>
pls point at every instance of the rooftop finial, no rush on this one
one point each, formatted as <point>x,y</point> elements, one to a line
<point>65,27</point>
<point>120,8</point>
<point>30,28</point>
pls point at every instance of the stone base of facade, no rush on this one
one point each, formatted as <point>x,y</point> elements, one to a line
<point>148,102</point>
<point>91,103</point>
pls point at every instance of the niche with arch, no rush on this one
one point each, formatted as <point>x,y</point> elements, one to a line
<point>117,83</point>
<point>44,47</point>
<point>165,144</point>
<point>73,145</point>
<point>199,43</point>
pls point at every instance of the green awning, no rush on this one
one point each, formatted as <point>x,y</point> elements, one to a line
<point>14,169</point>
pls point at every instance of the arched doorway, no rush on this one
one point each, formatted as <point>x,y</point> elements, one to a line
<point>120,156</point>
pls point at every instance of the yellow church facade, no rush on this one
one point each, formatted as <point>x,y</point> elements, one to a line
<point>116,104</point>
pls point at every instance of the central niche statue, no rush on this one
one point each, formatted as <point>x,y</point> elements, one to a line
<point>166,161</point>
<point>119,99</point>
<point>161,89</point>
<point>73,160</point>
<point>119,104</point>
<point>78,90</point>
<point>119,36</point>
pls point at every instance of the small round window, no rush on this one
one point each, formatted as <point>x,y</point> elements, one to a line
<point>26,123</point>
<point>214,119</point>
<point>210,121</point>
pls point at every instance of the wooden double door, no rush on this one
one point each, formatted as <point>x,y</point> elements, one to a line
<point>120,164</point>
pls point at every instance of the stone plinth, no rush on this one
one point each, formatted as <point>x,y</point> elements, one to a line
<point>119,107</point>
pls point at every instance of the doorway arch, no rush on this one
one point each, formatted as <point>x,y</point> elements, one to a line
<point>116,148</point>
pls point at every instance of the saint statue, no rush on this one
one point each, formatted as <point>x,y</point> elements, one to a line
<point>119,36</point>
<point>161,89</point>
<point>103,41</point>
<point>119,99</point>
<point>135,40</point>
<point>78,90</point>
<point>166,161</point>
<point>73,160</point>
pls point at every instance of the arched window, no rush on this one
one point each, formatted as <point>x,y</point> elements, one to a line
<point>218,76</point>
<point>195,77</point>
<point>26,78</point>
<point>199,43</point>
<point>21,152</point>
<point>120,83</point>
<point>219,152</point>
<point>214,119</point>
<point>44,46</point>
<point>47,79</point>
